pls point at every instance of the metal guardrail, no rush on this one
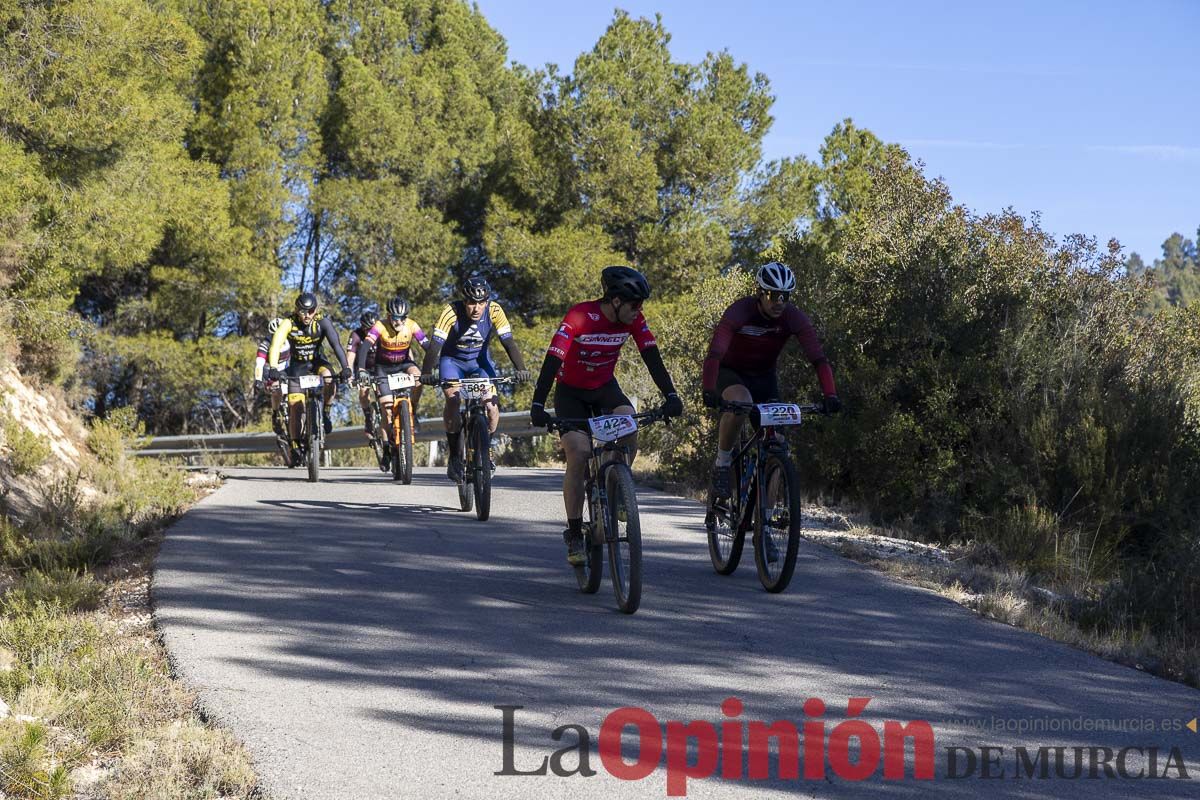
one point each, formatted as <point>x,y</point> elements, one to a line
<point>512,423</point>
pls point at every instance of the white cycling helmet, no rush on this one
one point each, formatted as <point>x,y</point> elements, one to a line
<point>775,277</point>
<point>273,326</point>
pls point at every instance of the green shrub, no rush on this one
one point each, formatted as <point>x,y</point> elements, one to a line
<point>117,686</point>
<point>27,769</point>
<point>26,450</point>
<point>67,589</point>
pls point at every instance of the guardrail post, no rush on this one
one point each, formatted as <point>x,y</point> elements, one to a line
<point>433,453</point>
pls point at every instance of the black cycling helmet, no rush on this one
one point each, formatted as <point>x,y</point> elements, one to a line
<point>368,318</point>
<point>624,282</point>
<point>397,308</point>
<point>474,289</point>
<point>307,301</point>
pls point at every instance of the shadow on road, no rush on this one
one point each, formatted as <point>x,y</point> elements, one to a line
<point>422,599</point>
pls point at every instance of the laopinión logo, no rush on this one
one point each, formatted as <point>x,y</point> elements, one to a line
<point>739,743</point>
<point>632,744</point>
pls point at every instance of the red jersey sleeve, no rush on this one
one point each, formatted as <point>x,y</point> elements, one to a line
<point>571,324</point>
<point>641,332</point>
<point>801,326</point>
<point>721,338</point>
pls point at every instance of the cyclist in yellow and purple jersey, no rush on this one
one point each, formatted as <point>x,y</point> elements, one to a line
<point>391,339</point>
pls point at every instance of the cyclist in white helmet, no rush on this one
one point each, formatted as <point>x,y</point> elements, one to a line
<point>741,362</point>
<point>261,383</point>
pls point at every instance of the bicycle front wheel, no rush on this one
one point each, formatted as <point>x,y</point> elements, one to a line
<point>481,467</point>
<point>624,538</point>
<point>313,444</point>
<point>466,498</point>
<point>777,523</point>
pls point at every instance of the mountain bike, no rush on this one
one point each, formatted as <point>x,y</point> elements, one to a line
<point>400,438</point>
<point>312,441</point>
<point>611,506</point>
<point>279,422</point>
<point>474,442</point>
<point>765,496</point>
<point>377,437</point>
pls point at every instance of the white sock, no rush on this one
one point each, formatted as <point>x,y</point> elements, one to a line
<point>724,457</point>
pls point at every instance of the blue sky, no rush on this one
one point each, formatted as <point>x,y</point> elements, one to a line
<point>1084,111</point>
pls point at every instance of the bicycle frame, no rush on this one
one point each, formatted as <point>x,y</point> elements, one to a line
<point>594,476</point>
<point>472,410</point>
<point>594,486</point>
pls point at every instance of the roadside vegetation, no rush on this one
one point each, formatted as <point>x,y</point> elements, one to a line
<point>169,179</point>
<point>88,706</point>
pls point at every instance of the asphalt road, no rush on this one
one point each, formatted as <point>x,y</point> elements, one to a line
<point>358,636</point>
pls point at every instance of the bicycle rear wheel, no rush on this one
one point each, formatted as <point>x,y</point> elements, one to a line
<point>466,498</point>
<point>378,447</point>
<point>726,537</point>
<point>777,523</point>
<point>481,469</point>
<point>589,574</point>
<point>624,538</point>
<point>378,437</point>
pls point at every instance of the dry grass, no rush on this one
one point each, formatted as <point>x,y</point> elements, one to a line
<point>93,710</point>
<point>976,576</point>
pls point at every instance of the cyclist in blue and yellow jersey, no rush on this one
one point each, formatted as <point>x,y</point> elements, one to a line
<point>391,339</point>
<point>459,349</point>
<point>305,331</point>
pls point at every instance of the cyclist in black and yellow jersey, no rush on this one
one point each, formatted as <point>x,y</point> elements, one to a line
<point>305,332</point>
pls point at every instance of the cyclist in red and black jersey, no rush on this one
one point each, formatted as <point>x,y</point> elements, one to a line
<point>582,357</point>
<point>740,366</point>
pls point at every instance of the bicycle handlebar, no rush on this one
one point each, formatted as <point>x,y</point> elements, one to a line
<point>558,423</point>
<point>430,380</point>
<point>735,407</point>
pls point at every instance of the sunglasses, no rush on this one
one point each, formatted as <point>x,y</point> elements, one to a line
<point>777,297</point>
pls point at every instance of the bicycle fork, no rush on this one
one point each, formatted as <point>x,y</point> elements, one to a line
<point>598,500</point>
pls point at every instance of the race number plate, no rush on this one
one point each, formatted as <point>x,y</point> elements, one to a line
<point>611,428</point>
<point>402,380</point>
<point>476,389</point>
<point>310,381</point>
<point>779,414</point>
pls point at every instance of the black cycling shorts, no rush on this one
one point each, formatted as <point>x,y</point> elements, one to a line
<point>383,369</point>
<point>296,368</point>
<point>763,388</point>
<point>574,403</point>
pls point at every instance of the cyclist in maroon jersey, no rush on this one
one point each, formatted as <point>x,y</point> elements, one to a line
<point>740,366</point>
<point>357,340</point>
<point>583,356</point>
